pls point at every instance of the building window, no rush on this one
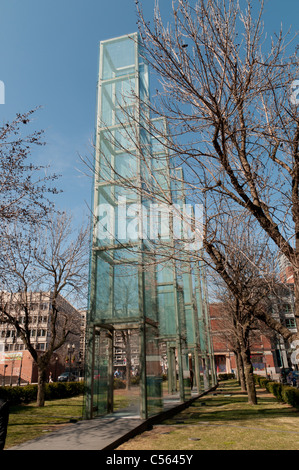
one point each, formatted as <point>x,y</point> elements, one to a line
<point>287,308</point>
<point>257,361</point>
<point>290,323</point>
<point>41,332</point>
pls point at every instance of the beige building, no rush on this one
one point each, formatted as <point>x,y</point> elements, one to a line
<point>16,364</point>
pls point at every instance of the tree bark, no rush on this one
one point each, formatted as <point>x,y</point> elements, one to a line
<point>241,373</point>
<point>41,385</point>
<point>248,370</point>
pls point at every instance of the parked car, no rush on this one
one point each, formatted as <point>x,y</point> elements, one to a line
<point>67,377</point>
<point>293,378</point>
<point>284,374</point>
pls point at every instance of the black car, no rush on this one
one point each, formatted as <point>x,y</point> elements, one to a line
<point>66,377</point>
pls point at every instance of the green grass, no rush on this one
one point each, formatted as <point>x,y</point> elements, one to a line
<point>29,421</point>
<point>215,422</point>
<point>225,421</point>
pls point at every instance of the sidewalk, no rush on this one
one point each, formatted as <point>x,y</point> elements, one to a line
<point>95,434</point>
<point>103,433</point>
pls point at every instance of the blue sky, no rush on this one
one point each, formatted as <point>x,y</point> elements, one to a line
<point>49,58</point>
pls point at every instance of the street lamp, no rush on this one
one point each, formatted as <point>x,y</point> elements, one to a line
<point>55,376</point>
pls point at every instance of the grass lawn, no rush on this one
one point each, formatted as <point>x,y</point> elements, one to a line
<point>223,420</point>
<point>29,421</point>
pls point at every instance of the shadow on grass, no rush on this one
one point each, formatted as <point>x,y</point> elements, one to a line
<point>243,415</point>
<point>51,414</point>
<point>218,407</point>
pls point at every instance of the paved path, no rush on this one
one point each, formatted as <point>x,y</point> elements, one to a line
<point>95,434</point>
<point>100,433</point>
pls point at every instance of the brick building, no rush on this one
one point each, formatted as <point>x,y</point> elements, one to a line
<point>286,272</point>
<point>269,351</point>
<point>16,363</point>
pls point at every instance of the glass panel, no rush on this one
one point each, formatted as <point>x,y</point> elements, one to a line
<point>103,290</point>
<point>125,165</point>
<point>172,369</point>
<point>167,311</point>
<point>153,372</point>
<point>105,151</point>
<point>118,101</point>
<point>118,57</point>
<point>189,325</point>
<point>107,114</point>
<point>126,372</point>
<point>125,288</point>
<point>101,390</point>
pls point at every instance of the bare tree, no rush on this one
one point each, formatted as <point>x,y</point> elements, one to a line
<point>226,92</point>
<point>51,259</point>
<point>243,262</point>
<point>231,125</point>
<point>24,187</point>
<point>226,328</point>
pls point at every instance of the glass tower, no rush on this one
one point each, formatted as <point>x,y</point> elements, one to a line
<point>144,307</point>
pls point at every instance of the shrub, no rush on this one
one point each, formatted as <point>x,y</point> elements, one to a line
<point>55,390</point>
<point>74,389</point>
<point>263,382</point>
<point>135,380</point>
<point>276,389</point>
<point>119,383</point>
<point>226,376</point>
<point>283,393</point>
<point>258,378</point>
<point>290,395</point>
<point>28,393</point>
<point>18,394</point>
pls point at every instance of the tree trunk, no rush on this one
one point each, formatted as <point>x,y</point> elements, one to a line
<point>241,373</point>
<point>237,368</point>
<point>248,370</point>
<point>41,385</point>
<point>296,300</point>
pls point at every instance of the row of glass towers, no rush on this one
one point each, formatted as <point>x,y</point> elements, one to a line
<point>139,290</point>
